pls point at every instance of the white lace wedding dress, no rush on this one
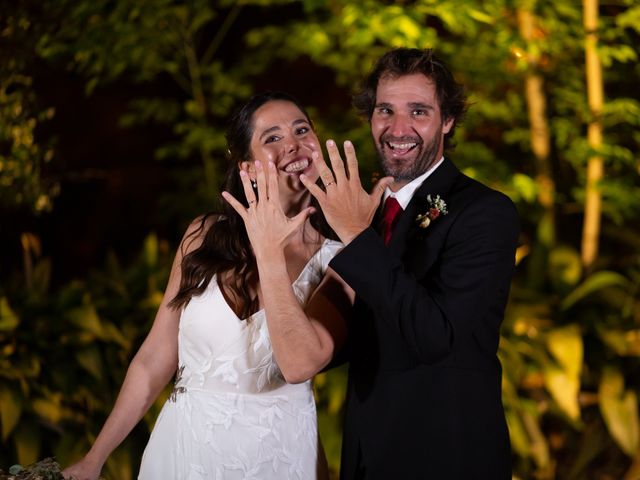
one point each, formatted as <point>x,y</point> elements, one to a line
<point>231,415</point>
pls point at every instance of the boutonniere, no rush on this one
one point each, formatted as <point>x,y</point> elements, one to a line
<point>437,206</point>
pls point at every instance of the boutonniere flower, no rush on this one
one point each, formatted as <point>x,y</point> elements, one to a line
<point>437,207</point>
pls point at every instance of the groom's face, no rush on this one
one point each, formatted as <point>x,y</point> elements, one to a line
<point>407,126</point>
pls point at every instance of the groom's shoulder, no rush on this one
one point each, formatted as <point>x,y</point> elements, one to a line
<point>478,195</point>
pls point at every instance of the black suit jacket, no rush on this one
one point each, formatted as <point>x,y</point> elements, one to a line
<point>424,390</point>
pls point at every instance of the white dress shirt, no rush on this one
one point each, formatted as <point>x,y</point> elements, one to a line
<point>405,194</point>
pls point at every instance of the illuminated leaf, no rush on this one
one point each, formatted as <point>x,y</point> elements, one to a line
<point>48,409</point>
<point>619,410</point>
<point>565,267</point>
<point>89,358</point>
<point>10,411</point>
<point>8,319</point>
<point>565,344</point>
<point>27,439</point>
<point>86,317</point>
<point>517,434</point>
<point>595,282</point>
<point>563,381</point>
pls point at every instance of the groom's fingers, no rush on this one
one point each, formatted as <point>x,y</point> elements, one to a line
<point>325,173</point>
<point>314,189</point>
<point>301,217</point>
<point>336,161</point>
<point>352,162</point>
<point>379,188</point>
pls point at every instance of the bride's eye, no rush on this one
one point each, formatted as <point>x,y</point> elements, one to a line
<point>302,130</point>
<point>271,139</point>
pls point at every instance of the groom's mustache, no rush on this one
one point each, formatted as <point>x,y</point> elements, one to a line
<point>386,138</point>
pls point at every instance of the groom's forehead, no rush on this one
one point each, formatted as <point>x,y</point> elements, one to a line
<point>410,90</point>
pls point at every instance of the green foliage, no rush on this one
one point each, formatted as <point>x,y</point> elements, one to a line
<point>91,328</point>
<point>571,339</point>
<point>22,155</point>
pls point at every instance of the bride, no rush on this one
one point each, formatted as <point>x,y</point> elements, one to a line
<point>251,312</point>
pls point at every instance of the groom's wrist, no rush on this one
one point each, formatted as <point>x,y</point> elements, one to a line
<point>347,235</point>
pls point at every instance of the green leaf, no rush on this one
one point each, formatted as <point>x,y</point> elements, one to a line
<point>595,282</point>
<point>517,433</point>
<point>563,381</point>
<point>619,410</point>
<point>565,344</point>
<point>48,408</point>
<point>86,317</point>
<point>10,410</point>
<point>89,358</point>
<point>564,389</point>
<point>623,343</point>
<point>112,333</point>
<point>481,16</point>
<point>565,268</point>
<point>27,441</point>
<point>8,320</point>
<point>526,187</point>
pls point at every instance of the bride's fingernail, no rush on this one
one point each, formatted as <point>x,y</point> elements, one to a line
<point>347,143</point>
<point>331,143</point>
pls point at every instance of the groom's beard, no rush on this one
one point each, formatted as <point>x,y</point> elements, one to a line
<point>409,170</point>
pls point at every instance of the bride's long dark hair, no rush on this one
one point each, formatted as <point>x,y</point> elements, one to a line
<point>226,246</point>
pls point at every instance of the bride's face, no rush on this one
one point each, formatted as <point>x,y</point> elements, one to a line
<point>283,135</point>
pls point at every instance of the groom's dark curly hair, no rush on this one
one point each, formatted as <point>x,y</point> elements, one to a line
<point>399,62</point>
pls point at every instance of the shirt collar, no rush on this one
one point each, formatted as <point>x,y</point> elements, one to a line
<point>405,194</point>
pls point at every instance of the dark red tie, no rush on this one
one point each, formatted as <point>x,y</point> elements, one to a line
<point>390,216</point>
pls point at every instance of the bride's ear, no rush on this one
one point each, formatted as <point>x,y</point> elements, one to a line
<point>249,167</point>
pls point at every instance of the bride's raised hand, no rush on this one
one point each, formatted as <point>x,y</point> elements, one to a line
<point>267,225</point>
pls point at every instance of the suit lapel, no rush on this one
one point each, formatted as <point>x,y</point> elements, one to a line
<point>438,183</point>
<point>411,241</point>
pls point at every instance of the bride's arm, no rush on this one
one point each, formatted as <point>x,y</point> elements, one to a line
<point>303,341</point>
<point>150,370</point>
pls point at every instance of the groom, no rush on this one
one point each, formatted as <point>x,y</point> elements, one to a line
<point>431,269</point>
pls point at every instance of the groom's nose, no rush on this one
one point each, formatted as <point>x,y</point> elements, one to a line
<point>400,125</point>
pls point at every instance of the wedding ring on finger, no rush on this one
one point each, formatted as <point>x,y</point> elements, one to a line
<point>251,202</point>
<point>332,182</point>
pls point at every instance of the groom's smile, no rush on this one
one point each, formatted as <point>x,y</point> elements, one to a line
<point>407,126</point>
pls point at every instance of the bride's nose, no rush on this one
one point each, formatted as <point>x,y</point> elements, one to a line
<point>292,146</point>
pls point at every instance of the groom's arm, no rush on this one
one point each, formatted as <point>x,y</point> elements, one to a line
<point>467,286</point>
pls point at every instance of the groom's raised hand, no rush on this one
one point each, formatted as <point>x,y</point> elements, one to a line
<point>347,207</point>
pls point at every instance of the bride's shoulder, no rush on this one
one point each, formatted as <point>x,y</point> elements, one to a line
<point>197,231</point>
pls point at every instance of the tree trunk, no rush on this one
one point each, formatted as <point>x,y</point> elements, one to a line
<point>593,202</point>
<point>540,137</point>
